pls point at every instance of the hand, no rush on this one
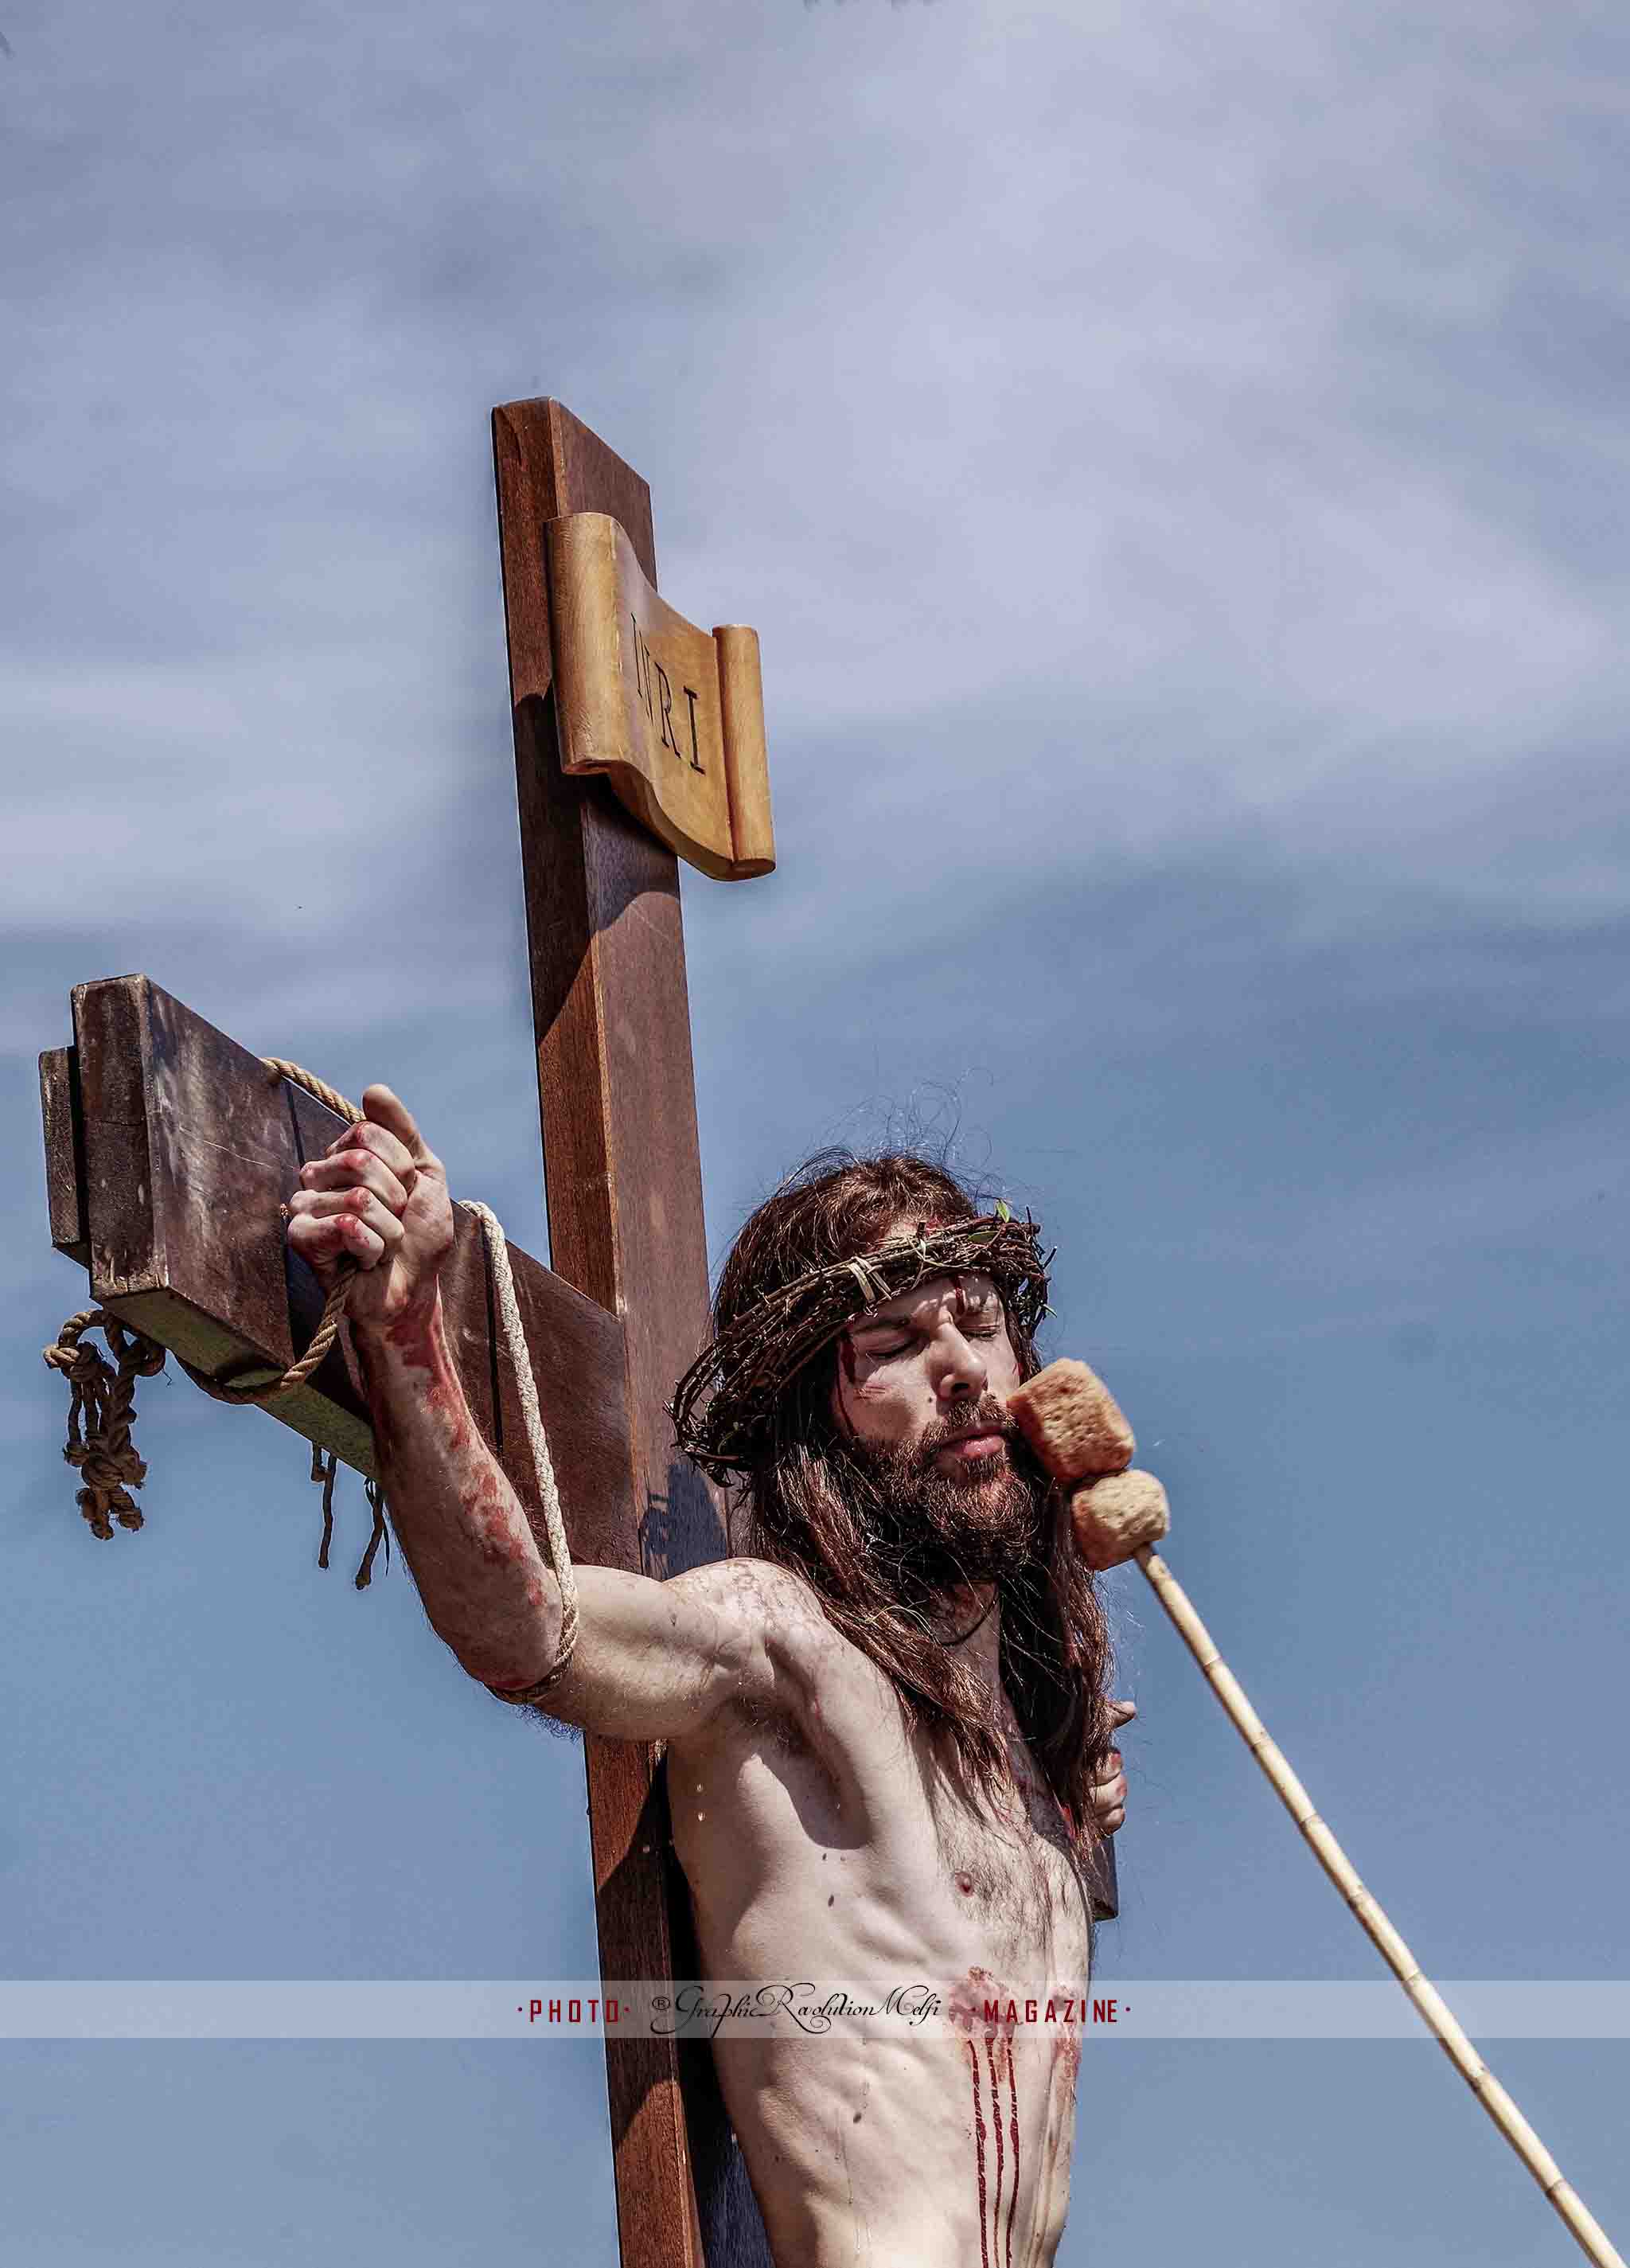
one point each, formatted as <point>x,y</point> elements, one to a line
<point>376,1197</point>
<point>1109,1790</point>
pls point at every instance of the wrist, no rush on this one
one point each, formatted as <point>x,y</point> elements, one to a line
<point>406,1337</point>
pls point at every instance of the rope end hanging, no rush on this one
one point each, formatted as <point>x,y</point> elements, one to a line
<point>101,1412</point>
<point>375,1495</point>
<point>325,1472</point>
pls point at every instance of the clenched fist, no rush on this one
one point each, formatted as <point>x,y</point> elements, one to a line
<point>378,1199</point>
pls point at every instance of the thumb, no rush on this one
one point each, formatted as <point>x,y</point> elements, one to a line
<point>386,1108</point>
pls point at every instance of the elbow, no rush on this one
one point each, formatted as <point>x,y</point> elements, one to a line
<point>509,1658</point>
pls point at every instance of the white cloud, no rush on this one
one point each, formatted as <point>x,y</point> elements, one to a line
<point>1108,418</point>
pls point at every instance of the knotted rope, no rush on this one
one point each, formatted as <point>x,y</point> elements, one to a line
<point>102,1410</point>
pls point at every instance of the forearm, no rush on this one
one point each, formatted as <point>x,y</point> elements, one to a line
<point>463,1531</point>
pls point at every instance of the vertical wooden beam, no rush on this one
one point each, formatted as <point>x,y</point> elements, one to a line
<point>623,1186</point>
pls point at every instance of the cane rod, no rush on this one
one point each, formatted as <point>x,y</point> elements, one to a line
<point>1072,1422</point>
<point>1438,2016</point>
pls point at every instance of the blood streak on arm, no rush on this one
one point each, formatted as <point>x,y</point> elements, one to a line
<point>462,1528</point>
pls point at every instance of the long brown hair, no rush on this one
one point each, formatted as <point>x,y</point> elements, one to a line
<point>800,1508</point>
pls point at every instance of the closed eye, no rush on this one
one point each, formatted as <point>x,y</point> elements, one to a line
<point>879,1352</point>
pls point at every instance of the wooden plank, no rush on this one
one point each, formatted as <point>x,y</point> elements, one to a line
<point>624,1189</point>
<point>1106,1884</point>
<point>191,1144</point>
<point>64,1151</point>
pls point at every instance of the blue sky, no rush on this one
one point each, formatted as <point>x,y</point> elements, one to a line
<point>1174,459</point>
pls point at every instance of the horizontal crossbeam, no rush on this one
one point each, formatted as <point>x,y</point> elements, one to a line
<point>169,1149</point>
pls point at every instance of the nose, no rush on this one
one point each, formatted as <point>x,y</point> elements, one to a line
<point>962,1375</point>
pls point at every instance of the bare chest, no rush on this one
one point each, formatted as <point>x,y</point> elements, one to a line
<point>871,1860</point>
<point>1015,1880</point>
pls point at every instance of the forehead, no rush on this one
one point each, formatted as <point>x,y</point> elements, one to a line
<point>924,1308</point>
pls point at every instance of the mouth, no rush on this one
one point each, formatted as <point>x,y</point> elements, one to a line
<point>972,1448</point>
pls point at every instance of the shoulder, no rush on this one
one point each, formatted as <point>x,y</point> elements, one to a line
<point>770,1620</point>
<point>756,1598</point>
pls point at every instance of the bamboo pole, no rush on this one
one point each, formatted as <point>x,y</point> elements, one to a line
<point>1435,2010</point>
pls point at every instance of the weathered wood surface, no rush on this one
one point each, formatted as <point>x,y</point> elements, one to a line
<point>64,1151</point>
<point>169,1149</point>
<point>624,1187</point>
<point>672,715</point>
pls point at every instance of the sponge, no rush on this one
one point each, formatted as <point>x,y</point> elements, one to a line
<point>1072,1422</point>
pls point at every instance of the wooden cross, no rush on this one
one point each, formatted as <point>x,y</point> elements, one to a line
<point>638,739</point>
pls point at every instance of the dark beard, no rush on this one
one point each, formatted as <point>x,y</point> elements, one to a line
<point>928,1533</point>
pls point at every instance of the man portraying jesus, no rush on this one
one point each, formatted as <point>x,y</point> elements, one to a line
<point>888,1733</point>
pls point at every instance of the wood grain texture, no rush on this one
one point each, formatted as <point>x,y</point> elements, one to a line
<point>624,1191</point>
<point>746,757</point>
<point>64,1151</point>
<point>640,699</point>
<point>1104,1884</point>
<point>191,1144</point>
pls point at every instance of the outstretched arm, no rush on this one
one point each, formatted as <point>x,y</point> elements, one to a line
<point>653,1661</point>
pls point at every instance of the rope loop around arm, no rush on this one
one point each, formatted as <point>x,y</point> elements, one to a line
<point>537,1441</point>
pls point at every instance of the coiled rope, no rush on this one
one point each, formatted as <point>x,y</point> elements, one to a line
<point>102,1407</point>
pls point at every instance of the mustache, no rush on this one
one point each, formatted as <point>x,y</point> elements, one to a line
<point>926,1530</point>
<point>986,1416</point>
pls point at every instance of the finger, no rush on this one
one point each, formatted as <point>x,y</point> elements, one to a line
<point>360,1205</point>
<point>380,1143</point>
<point>338,1236</point>
<point>355,1168</point>
<point>389,1111</point>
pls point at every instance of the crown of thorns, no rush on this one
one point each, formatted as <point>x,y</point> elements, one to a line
<point>724,1408</point>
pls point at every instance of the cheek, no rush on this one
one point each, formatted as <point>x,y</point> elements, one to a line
<point>1002,1369</point>
<point>873,1402</point>
<point>861,1381</point>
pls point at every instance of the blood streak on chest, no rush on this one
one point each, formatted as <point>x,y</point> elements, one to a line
<point>975,2006</point>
